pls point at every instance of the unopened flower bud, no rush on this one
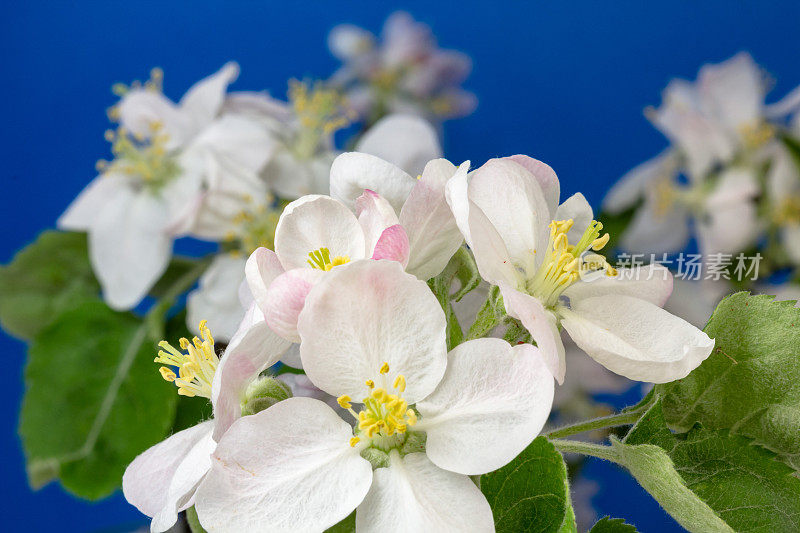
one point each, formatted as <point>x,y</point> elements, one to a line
<point>264,392</point>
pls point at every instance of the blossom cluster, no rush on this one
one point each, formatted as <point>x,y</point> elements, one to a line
<point>379,328</point>
<point>346,283</point>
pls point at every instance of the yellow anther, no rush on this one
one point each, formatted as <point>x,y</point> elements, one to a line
<point>600,242</point>
<point>354,441</point>
<point>379,394</point>
<point>344,401</point>
<point>370,383</point>
<point>196,367</point>
<point>412,417</point>
<point>400,383</point>
<point>384,368</point>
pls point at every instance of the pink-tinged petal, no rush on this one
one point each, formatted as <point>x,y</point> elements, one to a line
<point>542,326</point>
<point>285,299</point>
<point>635,338</point>
<point>363,314</point>
<point>147,479</point>
<point>314,222</point>
<point>253,349</point>
<point>375,215</point>
<point>392,245</point>
<point>406,141</point>
<point>429,222</point>
<point>651,282</point>
<point>513,200</point>
<point>414,495</point>
<point>546,177</point>
<point>492,402</point>
<point>287,468</point>
<point>261,269</point>
<point>352,172</point>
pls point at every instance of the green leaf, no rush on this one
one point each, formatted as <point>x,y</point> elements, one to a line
<point>44,279</point>
<point>612,525</point>
<point>530,493</point>
<point>751,382</point>
<point>744,483</point>
<point>93,400</point>
<point>489,315</point>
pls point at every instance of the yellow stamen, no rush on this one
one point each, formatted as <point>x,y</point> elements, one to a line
<point>384,368</point>
<point>321,259</point>
<point>400,383</point>
<point>196,367</point>
<point>354,441</point>
<point>344,401</point>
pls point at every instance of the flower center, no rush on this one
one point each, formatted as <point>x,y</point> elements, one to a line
<point>321,259</point>
<point>386,417</point>
<point>254,225</point>
<point>146,159</point>
<point>320,112</point>
<point>788,212</point>
<point>196,366</point>
<point>756,134</point>
<point>564,263</point>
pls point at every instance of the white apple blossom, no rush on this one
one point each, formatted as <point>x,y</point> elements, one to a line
<point>721,136</point>
<point>370,330</point>
<point>541,256</point>
<point>165,154</point>
<point>318,233</point>
<point>161,482</point>
<point>405,72</point>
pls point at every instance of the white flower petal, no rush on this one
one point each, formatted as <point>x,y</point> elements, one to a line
<point>414,495</point>
<point>83,210</point>
<point>315,222</point>
<point>632,186</point>
<point>392,245</point>
<point>728,229</point>
<point>366,313</point>
<point>261,269</point>
<point>542,326</point>
<point>216,299</point>
<point>291,177</point>
<point>203,101</point>
<point>347,41</point>
<point>147,479</point>
<point>577,208</point>
<point>292,357</point>
<point>651,282</point>
<point>140,110</point>
<point>513,200</point>
<point>636,338</point>
<point>457,196</point>
<point>652,231</point>
<point>432,231</point>
<point>492,402</point>
<point>546,177</point>
<point>288,468</point>
<point>375,215</point>
<point>352,172</point>
<point>406,141</point>
<point>129,246</point>
<point>733,91</point>
<point>241,145</point>
<point>190,472</point>
<point>491,255</point>
<point>286,298</point>
<point>253,348</point>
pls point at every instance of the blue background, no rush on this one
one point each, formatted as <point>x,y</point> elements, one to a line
<point>563,83</point>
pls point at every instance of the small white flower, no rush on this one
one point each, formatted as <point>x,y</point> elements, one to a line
<point>161,482</point>
<point>371,331</point>
<point>542,256</point>
<point>165,154</point>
